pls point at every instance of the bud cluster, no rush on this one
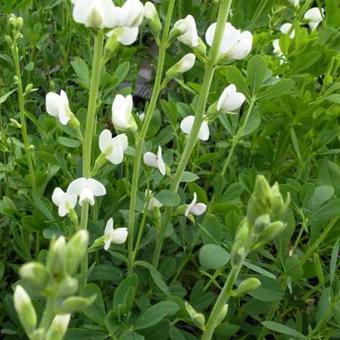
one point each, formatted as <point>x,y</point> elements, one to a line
<point>54,280</point>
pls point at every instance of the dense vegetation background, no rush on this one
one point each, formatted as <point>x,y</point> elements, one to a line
<point>292,137</point>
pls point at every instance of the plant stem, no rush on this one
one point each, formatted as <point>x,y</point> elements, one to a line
<point>200,110</point>
<point>89,132</point>
<point>221,301</point>
<point>48,314</point>
<point>21,98</point>
<point>238,137</point>
<point>139,143</point>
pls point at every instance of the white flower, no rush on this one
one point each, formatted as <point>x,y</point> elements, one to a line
<point>314,16</point>
<point>117,236</point>
<point>125,35</point>
<point>153,202</point>
<point>285,28</point>
<point>277,49</point>
<point>188,31</point>
<point>132,13</point>
<point>230,100</point>
<point>87,189</point>
<point>64,201</point>
<point>58,106</point>
<point>295,2</point>
<point>235,44</point>
<point>122,113</point>
<point>184,65</point>
<point>187,124</point>
<point>195,208</point>
<point>113,148</point>
<point>155,161</point>
<point>96,13</point>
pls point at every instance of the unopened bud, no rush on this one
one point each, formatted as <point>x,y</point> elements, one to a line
<point>184,65</point>
<point>222,315</point>
<point>12,20</point>
<point>35,273</point>
<point>28,89</point>
<point>246,286</point>
<point>19,23</point>
<point>273,230</point>
<point>15,123</point>
<point>110,47</point>
<point>38,334</point>
<point>201,50</point>
<point>76,250</point>
<point>58,327</point>
<point>197,318</point>
<point>8,39</point>
<point>56,257</point>
<point>151,15</point>
<point>261,223</point>
<point>76,304</point>
<point>25,310</point>
<point>68,286</point>
<point>238,256</point>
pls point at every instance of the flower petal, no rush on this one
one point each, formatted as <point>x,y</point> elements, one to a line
<point>128,35</point>
<point>119,235</point>
<point>97,188</point>
<point>204,132</point>
<point>109,227</point>
<point>105,139</point>
<point>187,123</point>
<point>150,159</point>
<point>160,162</point>
<point>198,209</point>
<point>53,103</point>
<point>57,196</point>
<point>191,205</point>
<point>77,186</point>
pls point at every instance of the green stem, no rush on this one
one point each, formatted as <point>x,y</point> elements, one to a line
<point>89,132</point>
<point>200,110</point>
<point>221,302</point>
<point>139,144</point>
<point>21,98</point>
<point>48,314</point>
<point>238,137</point>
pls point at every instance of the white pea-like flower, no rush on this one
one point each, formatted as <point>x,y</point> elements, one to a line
<point>314,16</point>
<point>86,189</point>
<point>235,44</point>
<point>187,31</point>
<point>117,236</point>
<point>230,100</point>
<point>156,161</point>
<point>122,113</point>
<point>64,201</point>
<point>286,27</point>
<point>295,3</point>
<point>113,148</point>
<point>153,202</point>
<point>276,47</point>
<point>184,65</point>
<point>57,105</point>
<point>187,124</point>
<point>131,13</point>
<point>195,208</point>
<point>96,13</point>
<point>125,35</point>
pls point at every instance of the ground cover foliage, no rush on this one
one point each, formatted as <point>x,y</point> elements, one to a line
<point>183,232</point>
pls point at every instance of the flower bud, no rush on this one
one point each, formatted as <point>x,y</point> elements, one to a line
<point>12,20</point>
<point>222,315</point>
<point>76,304</point>
<point>197,318</point>
<point>75,251</point>
<point>8,39</point>
<point>56,257</point>
<point>38,334</point>
<point>246,286</point>
<point>200,50</point>
<point>68,286</point>
<point>184,65</point>
<point>261,223</point>
<point>19,23</point>
<point>151,15</point>
<point>15,123</point>
<point>237,257</point>
<point>35,273</point>
<point>273,230</point>
<point>25,310</point>
<point>58,327</point>
<point>242,234</point>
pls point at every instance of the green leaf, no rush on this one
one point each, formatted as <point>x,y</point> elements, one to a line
<point>156,313</point>
<point>294,267</point>
<point>125,292</point>
<point>131,336</point>
<point>334,260</point>
<point>168,198</point>
<point>189,177</point>
<point>334,98</point>
<point>280,88</point>
<point>121,73</point>
<point>5,96</point>
<point>68,142</point>
<point>320,196</point>
<point>81,69</point>
<point>212,256</point>
<point>279,328</point>
<point>156,276</point>
<point>234,76</point>
<point>96,311</point>
<point>256,72</point>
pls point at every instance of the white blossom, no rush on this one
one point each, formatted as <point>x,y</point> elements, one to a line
<point>113,148</point>
<point>187,31</point>
<point>117,236</point>
<point>195,208</point>
<point>155,161</point>
<point>64,201</point>
<point>122,113</point>
<point>86,189</point>
<point>58,106</point>
<point>285,28</point>
<point>314,16</point>
<point>230,100</point>
<point>187,124</point>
